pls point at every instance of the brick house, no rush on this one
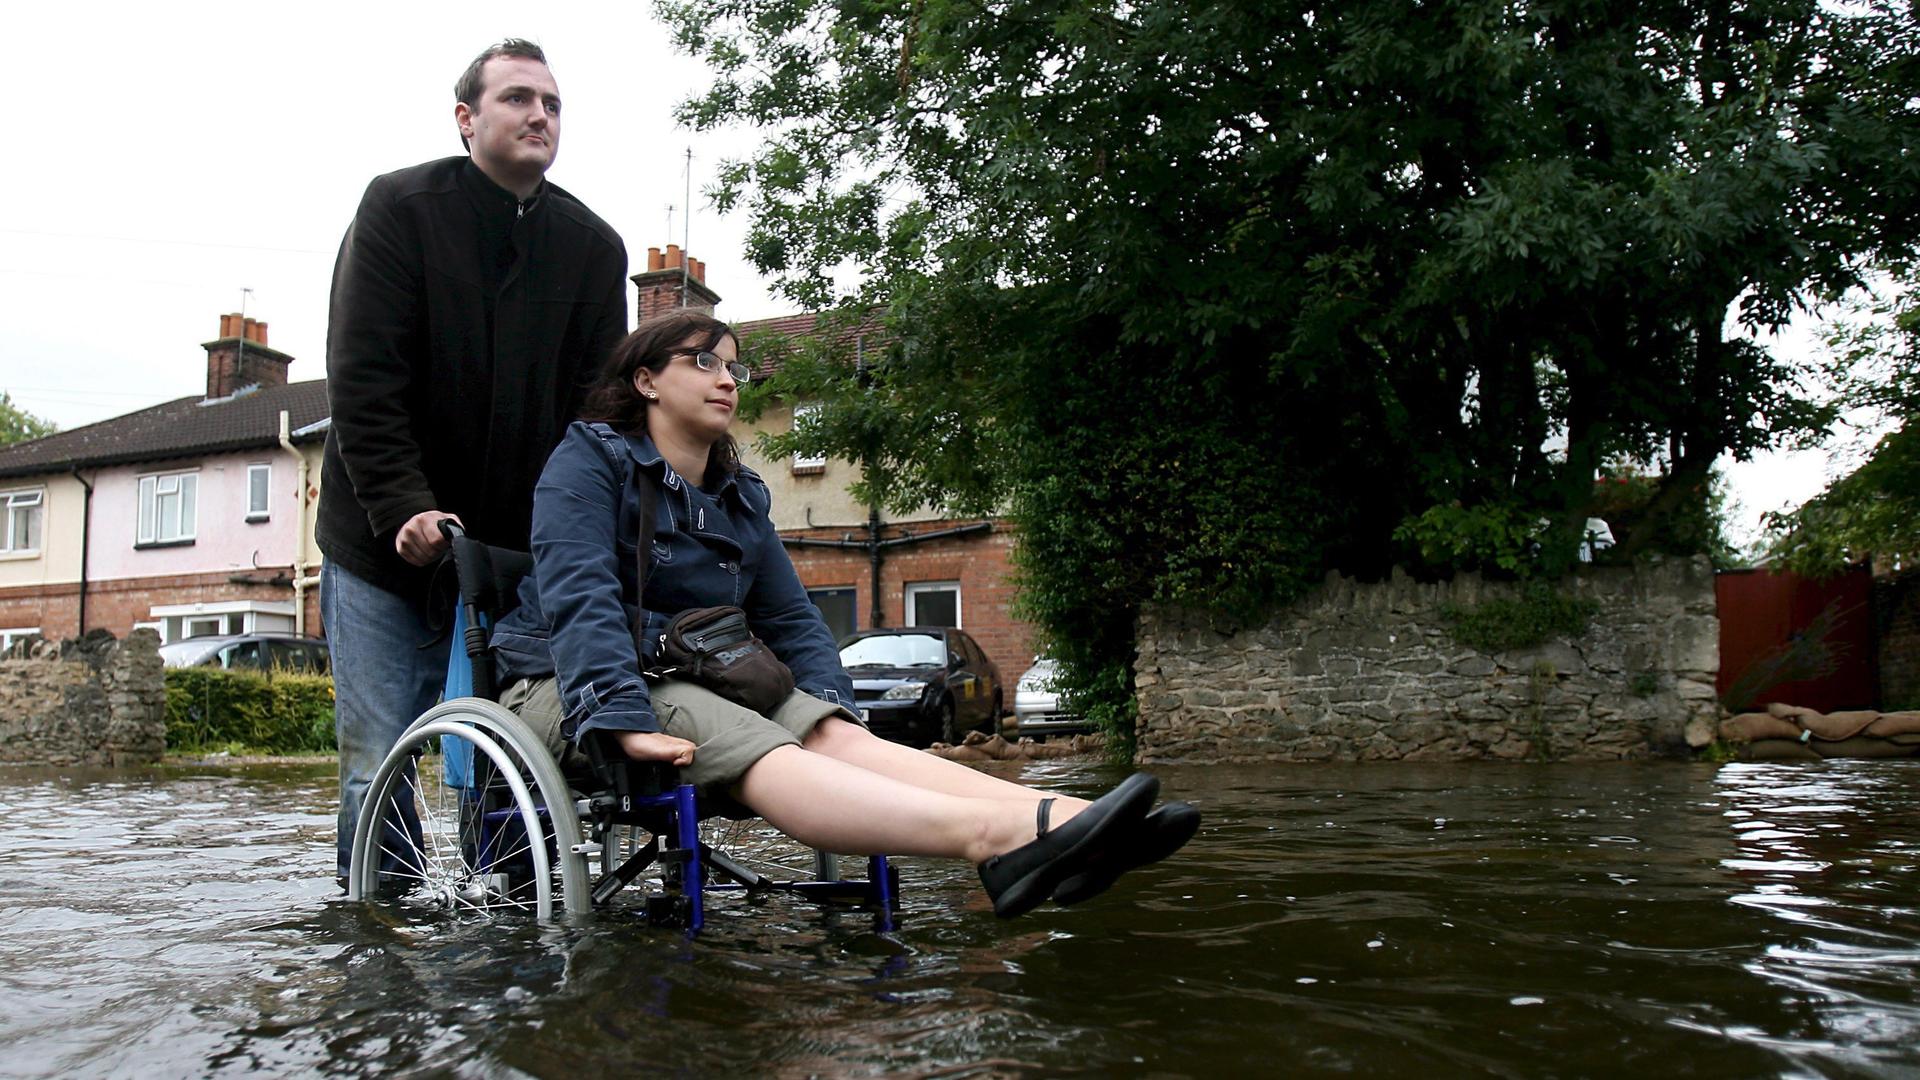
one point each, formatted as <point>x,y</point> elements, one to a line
<point>192,517</point>
<point>861,567</point>
<point>196,516</point>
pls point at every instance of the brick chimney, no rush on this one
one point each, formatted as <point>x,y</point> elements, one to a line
<point>239,358</point>
<point>669,276</point>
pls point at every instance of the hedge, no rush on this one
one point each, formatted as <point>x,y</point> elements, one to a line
<point>213,709</point>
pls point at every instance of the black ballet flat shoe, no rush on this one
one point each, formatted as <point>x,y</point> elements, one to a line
<point>1019,880</point>
<point>1158,835</point>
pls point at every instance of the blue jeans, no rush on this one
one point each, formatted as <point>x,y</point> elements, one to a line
<point>383,678</point>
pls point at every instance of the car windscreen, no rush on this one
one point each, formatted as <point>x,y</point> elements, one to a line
<point>895,650</point>
<point>187,653</point>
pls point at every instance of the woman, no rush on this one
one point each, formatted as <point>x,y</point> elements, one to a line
<point>660,415</point>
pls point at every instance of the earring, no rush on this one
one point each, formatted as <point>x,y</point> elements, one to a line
<point>651,396</point>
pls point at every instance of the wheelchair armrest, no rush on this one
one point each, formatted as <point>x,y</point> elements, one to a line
<point>621,776</point>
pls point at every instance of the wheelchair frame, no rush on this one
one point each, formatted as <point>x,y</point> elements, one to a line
<point>476,852</point>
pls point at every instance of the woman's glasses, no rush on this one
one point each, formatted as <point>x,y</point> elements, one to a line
<point>711,362</point>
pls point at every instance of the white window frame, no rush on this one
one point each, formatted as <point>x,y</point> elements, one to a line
<point>918,588</point>
<point>194,626</point>
<point>150,526</point>
<point>804,464</point>
<point>264,510</point>
<point>33,499</point>
<point>11,634</point>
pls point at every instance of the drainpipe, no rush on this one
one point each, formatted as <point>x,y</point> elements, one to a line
<point>302,581</point>
<point>86,527</point>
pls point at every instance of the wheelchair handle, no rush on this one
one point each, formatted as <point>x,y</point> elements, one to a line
<point>450,529</point>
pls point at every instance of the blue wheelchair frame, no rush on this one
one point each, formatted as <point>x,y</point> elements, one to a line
<point>637,793</point>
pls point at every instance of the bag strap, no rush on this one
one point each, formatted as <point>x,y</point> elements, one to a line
<point>649,492</point>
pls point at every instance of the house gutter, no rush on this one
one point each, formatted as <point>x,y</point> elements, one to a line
<point>302,581</point>
<point>86,527</point>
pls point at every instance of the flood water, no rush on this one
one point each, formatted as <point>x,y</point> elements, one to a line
<point>1380,920</point>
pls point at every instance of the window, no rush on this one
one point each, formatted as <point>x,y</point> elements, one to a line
<point>836,607</point>
<point>167,508</point>
<point>803,463</point>
<point>17,633</point>
<point>21,530</point>
<point>933,603</point>
<point>259,480</point>
<point>203,627</point>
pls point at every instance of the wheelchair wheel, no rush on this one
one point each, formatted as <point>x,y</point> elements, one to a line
<point>499,831</point>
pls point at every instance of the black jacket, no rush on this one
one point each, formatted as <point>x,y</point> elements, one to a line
<point>461,340</point>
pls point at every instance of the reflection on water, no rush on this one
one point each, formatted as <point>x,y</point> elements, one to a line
<point>1521,921</point>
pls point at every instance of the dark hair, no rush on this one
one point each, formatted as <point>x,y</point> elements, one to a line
<point>467,90</point>
<point>612,400</point>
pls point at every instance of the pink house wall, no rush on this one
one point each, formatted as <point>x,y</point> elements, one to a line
<point>223,540</point>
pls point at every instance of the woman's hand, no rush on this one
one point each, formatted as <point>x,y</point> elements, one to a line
<point>656,746</point>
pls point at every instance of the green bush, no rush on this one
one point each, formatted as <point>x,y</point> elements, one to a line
<point>283,713</point>
<point>1536,616</point>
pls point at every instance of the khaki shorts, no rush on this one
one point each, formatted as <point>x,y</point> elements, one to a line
<point>728,738</point>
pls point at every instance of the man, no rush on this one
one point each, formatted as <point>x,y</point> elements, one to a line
<point>472,303</point>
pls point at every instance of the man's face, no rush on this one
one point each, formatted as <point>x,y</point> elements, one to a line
<point>514,131</point>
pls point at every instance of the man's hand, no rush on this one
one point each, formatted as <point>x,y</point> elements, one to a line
<point>656,746</point>
<point>420,541</point>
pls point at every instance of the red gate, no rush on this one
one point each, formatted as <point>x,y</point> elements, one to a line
<point>1797,640</point>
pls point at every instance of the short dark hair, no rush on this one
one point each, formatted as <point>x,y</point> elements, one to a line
<point>467,90</point>
<point>652,345</point>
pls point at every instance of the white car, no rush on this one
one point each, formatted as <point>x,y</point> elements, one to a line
<point>1036,707</point>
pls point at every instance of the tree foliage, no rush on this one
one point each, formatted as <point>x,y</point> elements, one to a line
<point>1875,509</point>
<point>1218,297</point>
<point>19,425</point>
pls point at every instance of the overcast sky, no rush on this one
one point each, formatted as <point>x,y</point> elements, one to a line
<point>167,156</point>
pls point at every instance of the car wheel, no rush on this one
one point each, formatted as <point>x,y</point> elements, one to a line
<point>991,725</point>
<point>949,728</point>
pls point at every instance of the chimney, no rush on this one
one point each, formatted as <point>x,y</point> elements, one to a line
<point>669,276</point>
<point>240,358</point>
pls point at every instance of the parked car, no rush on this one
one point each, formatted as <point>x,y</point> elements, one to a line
<point>925,684</point>
<point>264,651</point>
<point>1036,704</point>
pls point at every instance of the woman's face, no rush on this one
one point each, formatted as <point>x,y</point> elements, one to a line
<point>688,403</point>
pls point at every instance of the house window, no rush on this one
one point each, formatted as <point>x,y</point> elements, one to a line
<point>203,627</point>
<point>167,508</point>
<point>802,463</point>
<point>933,603</point>
<point>259,479</point>
<point>17,633</point>
<point>836,607</point>
<point>20,533</point>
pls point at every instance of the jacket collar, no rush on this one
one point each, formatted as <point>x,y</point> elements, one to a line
<point>647,456</point>
<point>493,198</point>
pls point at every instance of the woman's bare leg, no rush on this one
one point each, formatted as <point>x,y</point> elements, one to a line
<point>839,806</point>
<point>851,743</point>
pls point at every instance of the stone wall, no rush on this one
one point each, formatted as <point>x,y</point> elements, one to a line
<point>1370,672</point>
<point>90,701</point>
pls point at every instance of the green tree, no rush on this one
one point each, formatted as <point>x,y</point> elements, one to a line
<point>1218,297</point>
<point>19,425</point>
<point>1875,509</point>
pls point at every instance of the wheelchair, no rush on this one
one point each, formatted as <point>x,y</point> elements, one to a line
<point>504,827</point>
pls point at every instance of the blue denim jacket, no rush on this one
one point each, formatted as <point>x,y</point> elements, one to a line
<point>709,549</point>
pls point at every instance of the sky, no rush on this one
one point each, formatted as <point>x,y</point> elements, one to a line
<point>168,157</point>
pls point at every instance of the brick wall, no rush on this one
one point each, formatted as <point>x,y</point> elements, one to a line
<point>978,561</point>
<point>55,609</point>
<point>1896,604</point>
<point>116,605</point>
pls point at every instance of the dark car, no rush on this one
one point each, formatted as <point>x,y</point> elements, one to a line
<point>922,684</point>
<point>264,651</point>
